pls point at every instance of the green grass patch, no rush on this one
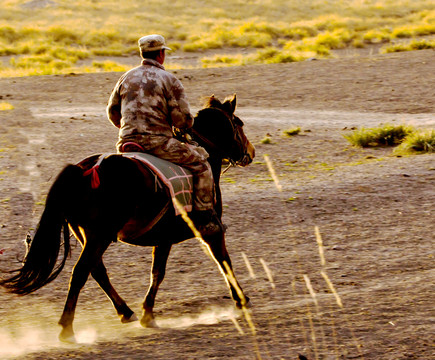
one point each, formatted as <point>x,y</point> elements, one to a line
<point>47,65</point>
<point>269,55</point>
<point>292,132</point>
<point>327,167</point>
<point>229,180</point>
<point>275,31</point>
<point>375,36</point>
<point>418,142</point>
<point>409,46</point>
<point>387,135</point>
<point>223,60</point>
<point>107,66</point>
<point>266,140</point>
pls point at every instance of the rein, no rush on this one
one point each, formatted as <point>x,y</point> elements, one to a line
<point>206,141</point>
<point>214,147</point>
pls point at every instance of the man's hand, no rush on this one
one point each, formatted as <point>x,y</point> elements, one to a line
<point>183,135</point>
<point>178,133</point>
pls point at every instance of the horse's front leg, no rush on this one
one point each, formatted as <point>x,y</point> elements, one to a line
<point>160,258</point>
<point>89,258</point>
<point>218,250</point>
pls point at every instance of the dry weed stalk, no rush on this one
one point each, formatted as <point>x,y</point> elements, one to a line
<point>229,275</point>
<point>301,323</point>
<point>236,324</point>
<point>335,293</point>
<point>334,333</point>
<point>268,273</point>
<point>247,315</point>
<point>232,280</point>
<point>320,243</point>
<point>316,304</point>
<point>248,266</point>
<point>186,218</point>
<point>332,288</point>
<point>272,173</point>
<point>313,332</point>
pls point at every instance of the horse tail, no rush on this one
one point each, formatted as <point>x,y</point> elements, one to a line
<point>41,264</point>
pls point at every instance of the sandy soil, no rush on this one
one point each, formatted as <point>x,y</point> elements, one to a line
<point>374,210</point>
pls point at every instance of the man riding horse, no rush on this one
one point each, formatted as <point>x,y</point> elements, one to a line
<point>103,197</point>
<point>146,103</point>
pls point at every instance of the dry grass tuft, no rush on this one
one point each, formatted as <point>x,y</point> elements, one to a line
<point>416,44</point>
<point>266,140</point>
<point>418,142</point>
<point>387,135</point>
<point>407,139</point>
<point>292,132</point>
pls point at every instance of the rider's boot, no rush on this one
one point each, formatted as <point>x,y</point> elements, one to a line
<point>207,222</point>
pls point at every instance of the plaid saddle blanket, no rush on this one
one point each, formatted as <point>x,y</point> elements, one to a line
<point>177,180</point>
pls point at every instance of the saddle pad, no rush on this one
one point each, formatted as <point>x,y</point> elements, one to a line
<point>178,180</point>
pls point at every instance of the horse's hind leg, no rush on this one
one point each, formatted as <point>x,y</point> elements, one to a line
<point>216,245</point>
<point>160,258</point>
<point>99,273</point>
<point>89,259</point>
<point>124,312</point>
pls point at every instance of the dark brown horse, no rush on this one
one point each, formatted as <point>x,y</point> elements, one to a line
<point>126,201</point>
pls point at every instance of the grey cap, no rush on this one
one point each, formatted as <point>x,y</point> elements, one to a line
<point>152,43</point>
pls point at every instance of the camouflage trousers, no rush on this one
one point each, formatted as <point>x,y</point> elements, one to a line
<point>193,158</point>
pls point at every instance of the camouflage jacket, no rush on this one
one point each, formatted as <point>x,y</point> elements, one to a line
<point>146,102</point>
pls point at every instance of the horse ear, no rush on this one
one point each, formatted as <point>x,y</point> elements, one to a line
<point>213,102</point>
<point>230,103</point>
<point>233,102</point>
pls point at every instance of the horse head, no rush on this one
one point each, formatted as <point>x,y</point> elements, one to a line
<point>220,131</point>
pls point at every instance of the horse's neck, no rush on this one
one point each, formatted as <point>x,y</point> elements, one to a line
<point>215,158</point>
<point>216,165</point>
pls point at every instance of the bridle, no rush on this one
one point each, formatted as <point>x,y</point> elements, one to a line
<point>238,140</point>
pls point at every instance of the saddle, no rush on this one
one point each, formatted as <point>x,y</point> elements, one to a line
<point>176,180</point>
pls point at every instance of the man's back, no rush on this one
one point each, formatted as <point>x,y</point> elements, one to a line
<point>151,101</point>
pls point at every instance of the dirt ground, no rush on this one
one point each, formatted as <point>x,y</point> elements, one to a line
<point>375,212</point>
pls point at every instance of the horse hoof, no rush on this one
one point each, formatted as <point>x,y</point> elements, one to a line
<point>67,337</point>
<point>247,305</point>
<point>126,320</point>
<point>149,323</point>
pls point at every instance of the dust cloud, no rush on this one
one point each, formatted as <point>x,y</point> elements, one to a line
<point>207,317</point>
<point>20,341</point>
<point>25,341</point>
